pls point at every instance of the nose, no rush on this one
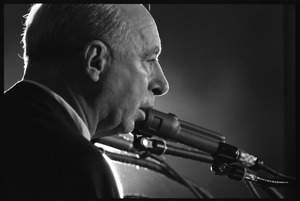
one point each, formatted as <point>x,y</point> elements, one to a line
<point>159,84</point>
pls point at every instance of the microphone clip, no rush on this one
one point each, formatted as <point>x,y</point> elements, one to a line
<point>233,171</point>
<point>154,146</point>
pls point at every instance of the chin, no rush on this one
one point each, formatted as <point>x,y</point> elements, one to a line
<point>126,130</point>
<point>110,132</point>
<point>126,127</point>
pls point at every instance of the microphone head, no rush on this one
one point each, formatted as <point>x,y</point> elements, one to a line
<point>158,124</point>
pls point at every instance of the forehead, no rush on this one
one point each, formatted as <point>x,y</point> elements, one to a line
<point>147,40</point>
<point>143,33</point>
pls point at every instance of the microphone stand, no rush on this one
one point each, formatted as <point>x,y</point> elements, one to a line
<point>160,147</point>
<point>232,171</point>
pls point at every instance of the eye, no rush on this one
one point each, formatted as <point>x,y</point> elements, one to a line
<point>152,61</point>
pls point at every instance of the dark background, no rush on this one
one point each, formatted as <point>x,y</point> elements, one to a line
<point>231,69</point>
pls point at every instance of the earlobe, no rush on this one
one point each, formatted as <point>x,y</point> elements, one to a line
<point>95,59</point>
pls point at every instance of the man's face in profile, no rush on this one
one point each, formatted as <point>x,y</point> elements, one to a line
<point>134,76</point>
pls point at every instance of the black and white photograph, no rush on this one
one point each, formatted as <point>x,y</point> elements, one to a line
<point>149,101</point>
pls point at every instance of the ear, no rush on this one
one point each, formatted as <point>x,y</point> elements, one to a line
<point>95,58</point>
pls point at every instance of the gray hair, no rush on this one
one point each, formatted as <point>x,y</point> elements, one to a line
<point>56,30</point>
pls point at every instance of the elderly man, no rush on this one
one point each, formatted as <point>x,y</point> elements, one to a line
<point>89,72</point>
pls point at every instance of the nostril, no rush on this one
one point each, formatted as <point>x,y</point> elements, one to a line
<point>160,89</point>
<point>157,91</point>
<point>159,85</point>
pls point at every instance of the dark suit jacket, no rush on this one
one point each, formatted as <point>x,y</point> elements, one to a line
<point>45,156</point>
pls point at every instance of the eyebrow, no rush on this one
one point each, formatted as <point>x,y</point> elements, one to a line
<point>156,50</point>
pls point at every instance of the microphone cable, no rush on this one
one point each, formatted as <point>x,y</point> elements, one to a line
<point>275,194</point>
<point>274,173</point>
<point>252,189</point>
<point>197,191</point>
<point>158,165</point>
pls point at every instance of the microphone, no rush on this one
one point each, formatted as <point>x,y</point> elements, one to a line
<point>169,127</point>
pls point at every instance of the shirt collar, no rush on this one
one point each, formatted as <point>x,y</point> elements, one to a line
<point>77,119</point>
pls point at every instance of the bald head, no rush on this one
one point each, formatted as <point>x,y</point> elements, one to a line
<point>142,28</point>
<point>135,16</point>
<point>129,12</point>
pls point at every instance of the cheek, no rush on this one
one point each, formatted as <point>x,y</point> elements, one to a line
<point>129,89</point>
<point>135,91</point>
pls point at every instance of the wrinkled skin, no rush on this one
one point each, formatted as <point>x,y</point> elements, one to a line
<point>134,77</point>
